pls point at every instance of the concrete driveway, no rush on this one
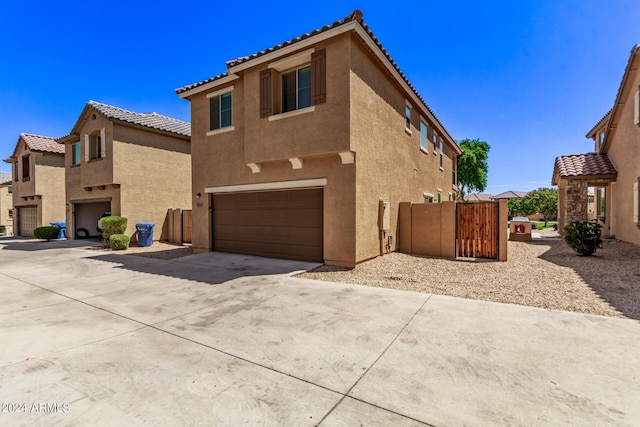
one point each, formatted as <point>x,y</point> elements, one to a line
<point>94,338</point>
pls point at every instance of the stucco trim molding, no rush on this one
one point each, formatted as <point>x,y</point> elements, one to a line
<point>296,163</point>
<point>347,157</point>
<point>267,186</point>
<point>255,167</point>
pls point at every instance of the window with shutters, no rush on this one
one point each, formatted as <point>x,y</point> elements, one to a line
<point>293,85</point>
<point>296,89</point>
<point>15,171</point>
<point>220,111</point>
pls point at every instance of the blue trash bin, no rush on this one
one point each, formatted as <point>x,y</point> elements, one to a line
<point>145,233</point>
<point>62,225</point>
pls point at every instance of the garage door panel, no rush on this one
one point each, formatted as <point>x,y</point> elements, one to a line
<point>281,224</point>
<point>28,220</point>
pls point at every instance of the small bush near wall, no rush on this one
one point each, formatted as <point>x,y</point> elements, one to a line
<point>119,241</point>
<point>112,225</point>
<point>46,233</point>
<point>583,236</point>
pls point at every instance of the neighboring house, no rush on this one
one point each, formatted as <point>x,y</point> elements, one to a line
<point>294,148</point>
<point>613,170</point>
<point>509,195</point>
<point>6,203</point>
<point>478,197</point>
<point>124,163</point>
<point>38,183</point>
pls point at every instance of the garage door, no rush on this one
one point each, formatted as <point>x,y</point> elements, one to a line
<point>278,224</point>
<point>28,220</point>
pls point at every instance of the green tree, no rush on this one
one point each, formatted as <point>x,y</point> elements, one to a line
<point>543,201</point>
<point>473,167</point>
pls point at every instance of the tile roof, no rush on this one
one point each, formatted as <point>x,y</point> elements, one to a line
<point>478,197</point>
<point>42,143</point>
<point>356,15</point>
<point>150,120</point>
<point>510,195</point>
<point>5,177</point>
<point>577,165</point>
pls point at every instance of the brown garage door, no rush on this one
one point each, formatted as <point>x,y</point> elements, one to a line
<point>278,224</point>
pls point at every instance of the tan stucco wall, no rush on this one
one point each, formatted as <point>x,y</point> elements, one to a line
<point>624,153</point>
<point>6,203</point>
<point>144,173</point>
<point>154,173</point>
<point>390,162</point>
<point>45,188</point>
<point>364,113</point>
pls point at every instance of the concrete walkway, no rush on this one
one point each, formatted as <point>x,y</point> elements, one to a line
<point>89,338</point>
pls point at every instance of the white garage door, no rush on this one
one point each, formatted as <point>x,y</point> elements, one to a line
<point>28,220</point>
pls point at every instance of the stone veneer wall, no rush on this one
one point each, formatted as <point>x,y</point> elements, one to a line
<point>574,201</point>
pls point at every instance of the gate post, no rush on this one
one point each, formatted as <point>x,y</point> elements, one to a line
<point>503,218</point>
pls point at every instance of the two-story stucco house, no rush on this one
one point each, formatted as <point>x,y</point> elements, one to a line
<point>37,163</point>
<point>136,165</point>
<point>6,203</point>
<point>613,169</point>
<point>294,148</point>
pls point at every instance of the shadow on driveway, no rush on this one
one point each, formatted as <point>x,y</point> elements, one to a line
<point>613,272</point>
<point>211,267</point>
<point>16,243</point>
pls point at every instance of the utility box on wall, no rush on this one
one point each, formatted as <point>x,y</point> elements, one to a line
<point>384,215</point>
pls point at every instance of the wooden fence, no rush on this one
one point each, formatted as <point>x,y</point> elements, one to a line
<point>478,230</point>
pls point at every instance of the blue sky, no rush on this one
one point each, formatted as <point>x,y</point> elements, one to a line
<point>530,77</point>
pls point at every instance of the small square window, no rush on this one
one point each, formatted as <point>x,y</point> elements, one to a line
<point>10,213</point>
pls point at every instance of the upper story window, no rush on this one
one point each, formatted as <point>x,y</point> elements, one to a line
<point>296,82</point>
<point>296,89</point>
<point>441,154</point>
<point>15,171</point>
<point>25,168</point>
<point>423,135</point>
<point>10,213</point>
<point>75,153</point>
<point>221,111</point>
<point>435,142</point>
<point>9,189</point>
<point>95,145</point>
<point>407,117</point>
<point>636,108</point>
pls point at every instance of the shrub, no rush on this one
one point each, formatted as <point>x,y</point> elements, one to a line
<point>112,225</point>
<point>46,233</point>
<point>555,226</point>
<point>119,241</point>
<point>583,236</point>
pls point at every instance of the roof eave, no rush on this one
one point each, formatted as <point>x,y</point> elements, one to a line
<point>149,129</point>
<point>635,53</point>
<point>208,86</point>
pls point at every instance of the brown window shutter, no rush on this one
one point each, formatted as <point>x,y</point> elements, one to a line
<point>319,77</point>
<point>266,96</point>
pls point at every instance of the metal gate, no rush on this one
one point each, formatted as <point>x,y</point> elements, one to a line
<point>477,230</point>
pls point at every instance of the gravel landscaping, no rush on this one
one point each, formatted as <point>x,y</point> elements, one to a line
<point>545,273</point>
